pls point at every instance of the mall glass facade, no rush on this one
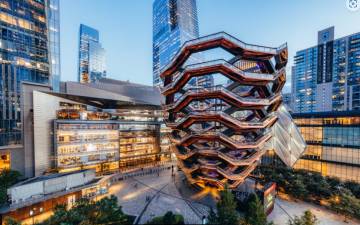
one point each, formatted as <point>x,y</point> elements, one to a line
<point>91,56</point>
<point>23,56</point>
<point>326,76</point>
<point>174,23</point>
<point>106,141</point>
<point>333,143</point>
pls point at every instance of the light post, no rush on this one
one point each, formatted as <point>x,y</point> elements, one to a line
<point>31,213</point>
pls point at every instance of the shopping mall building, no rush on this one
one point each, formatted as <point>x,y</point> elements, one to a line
<point>333,143</point>
<point>106,126</point>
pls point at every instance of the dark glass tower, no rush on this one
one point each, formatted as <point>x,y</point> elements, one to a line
<point>23,56</point>
<point>174,23</point>
<point>91,56</point>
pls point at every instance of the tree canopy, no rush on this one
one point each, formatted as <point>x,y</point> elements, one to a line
<point>7,179</point>
<point>306,219</point>
<point>255,214</point>
<point>226,210</point>
<point>169,218</point>
<point>86,212</point>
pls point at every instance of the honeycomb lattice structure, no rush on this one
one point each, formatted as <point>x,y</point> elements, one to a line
<point>219,131</point>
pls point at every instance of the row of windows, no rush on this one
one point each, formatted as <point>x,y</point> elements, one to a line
<point>335,154</point>
<point>342,172</point>
<point>328,121</point>
<point>342,136</point>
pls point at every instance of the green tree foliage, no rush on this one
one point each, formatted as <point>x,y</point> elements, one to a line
<point>7,179</point>
<point>353,187</point>
<point>169,218</point>
<point>255,214</point>
<point>226,210</point>
<point>346,203</point>
<point>310,186</point>
<point>298,188</point>
<point>11,221</point>
<point>306,219</point>
<point>86,212</point>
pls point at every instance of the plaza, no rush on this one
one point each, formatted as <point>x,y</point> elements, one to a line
<point>156,192</point>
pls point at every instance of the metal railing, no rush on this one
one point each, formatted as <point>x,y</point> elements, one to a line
<point>218,62</point>
<point>224,35</point>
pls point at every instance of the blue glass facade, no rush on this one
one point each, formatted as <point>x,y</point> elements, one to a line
<point>327,76</point>
<point>304,76</point>
<point>91,56</point>
<point>54,42</point>
<point>23,57</point>
<point>174,23</point>
<point>353,68</point>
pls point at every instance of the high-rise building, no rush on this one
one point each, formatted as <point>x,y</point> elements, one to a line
<point>91,56</point>
<point>327,76</point>
<point>24,56</point>
<point>287,100</point>
<point>54,42</point>
<point>174,23</point>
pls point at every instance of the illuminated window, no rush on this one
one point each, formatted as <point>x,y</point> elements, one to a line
<point>4,161</point>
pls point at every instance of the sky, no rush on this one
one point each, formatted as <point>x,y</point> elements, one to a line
<point>125,28</point>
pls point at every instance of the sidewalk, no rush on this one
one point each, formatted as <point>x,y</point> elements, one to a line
<point>325,217</point>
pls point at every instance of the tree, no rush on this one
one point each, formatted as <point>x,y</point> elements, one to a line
<point>11,221</point>
<point>306,219</point>
<point>169,218</point>
<point>298,188</point>
<point>7,179</point>
<point>226,208</point>
<point>353,187</point>
<point>346,203</point>
<point>86,212</point>
<point>255,214</point>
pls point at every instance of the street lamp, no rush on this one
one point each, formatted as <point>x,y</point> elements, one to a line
<point>31,213</point>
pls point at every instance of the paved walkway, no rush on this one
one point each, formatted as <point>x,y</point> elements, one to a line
<point>154,194</point>
<point>325,217</point>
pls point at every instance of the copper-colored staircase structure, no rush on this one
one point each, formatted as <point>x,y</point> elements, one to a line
<point>219,132</point>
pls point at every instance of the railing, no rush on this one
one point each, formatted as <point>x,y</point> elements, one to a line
<point>223,35</point>
<point>84,153</point>
<point>218,62</point>
<point>249,124</point>
<point>186,168</point>
<point>237,144</point>
<point>244,100</point>
<point>242,175</point>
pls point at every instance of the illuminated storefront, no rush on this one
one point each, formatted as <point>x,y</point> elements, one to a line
<point>333,143</point>
<point>105,145</point>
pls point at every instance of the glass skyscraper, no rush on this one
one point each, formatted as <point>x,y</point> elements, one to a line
<point>54,42</point>
<point>174,23</point>
<point>91,56</point>
<point>326,77</point>
<point>24,56</point>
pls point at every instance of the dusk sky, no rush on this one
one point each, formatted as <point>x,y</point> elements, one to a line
<point>125,28</point>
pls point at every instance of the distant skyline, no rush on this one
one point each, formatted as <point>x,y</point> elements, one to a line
<point>126,28</point>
